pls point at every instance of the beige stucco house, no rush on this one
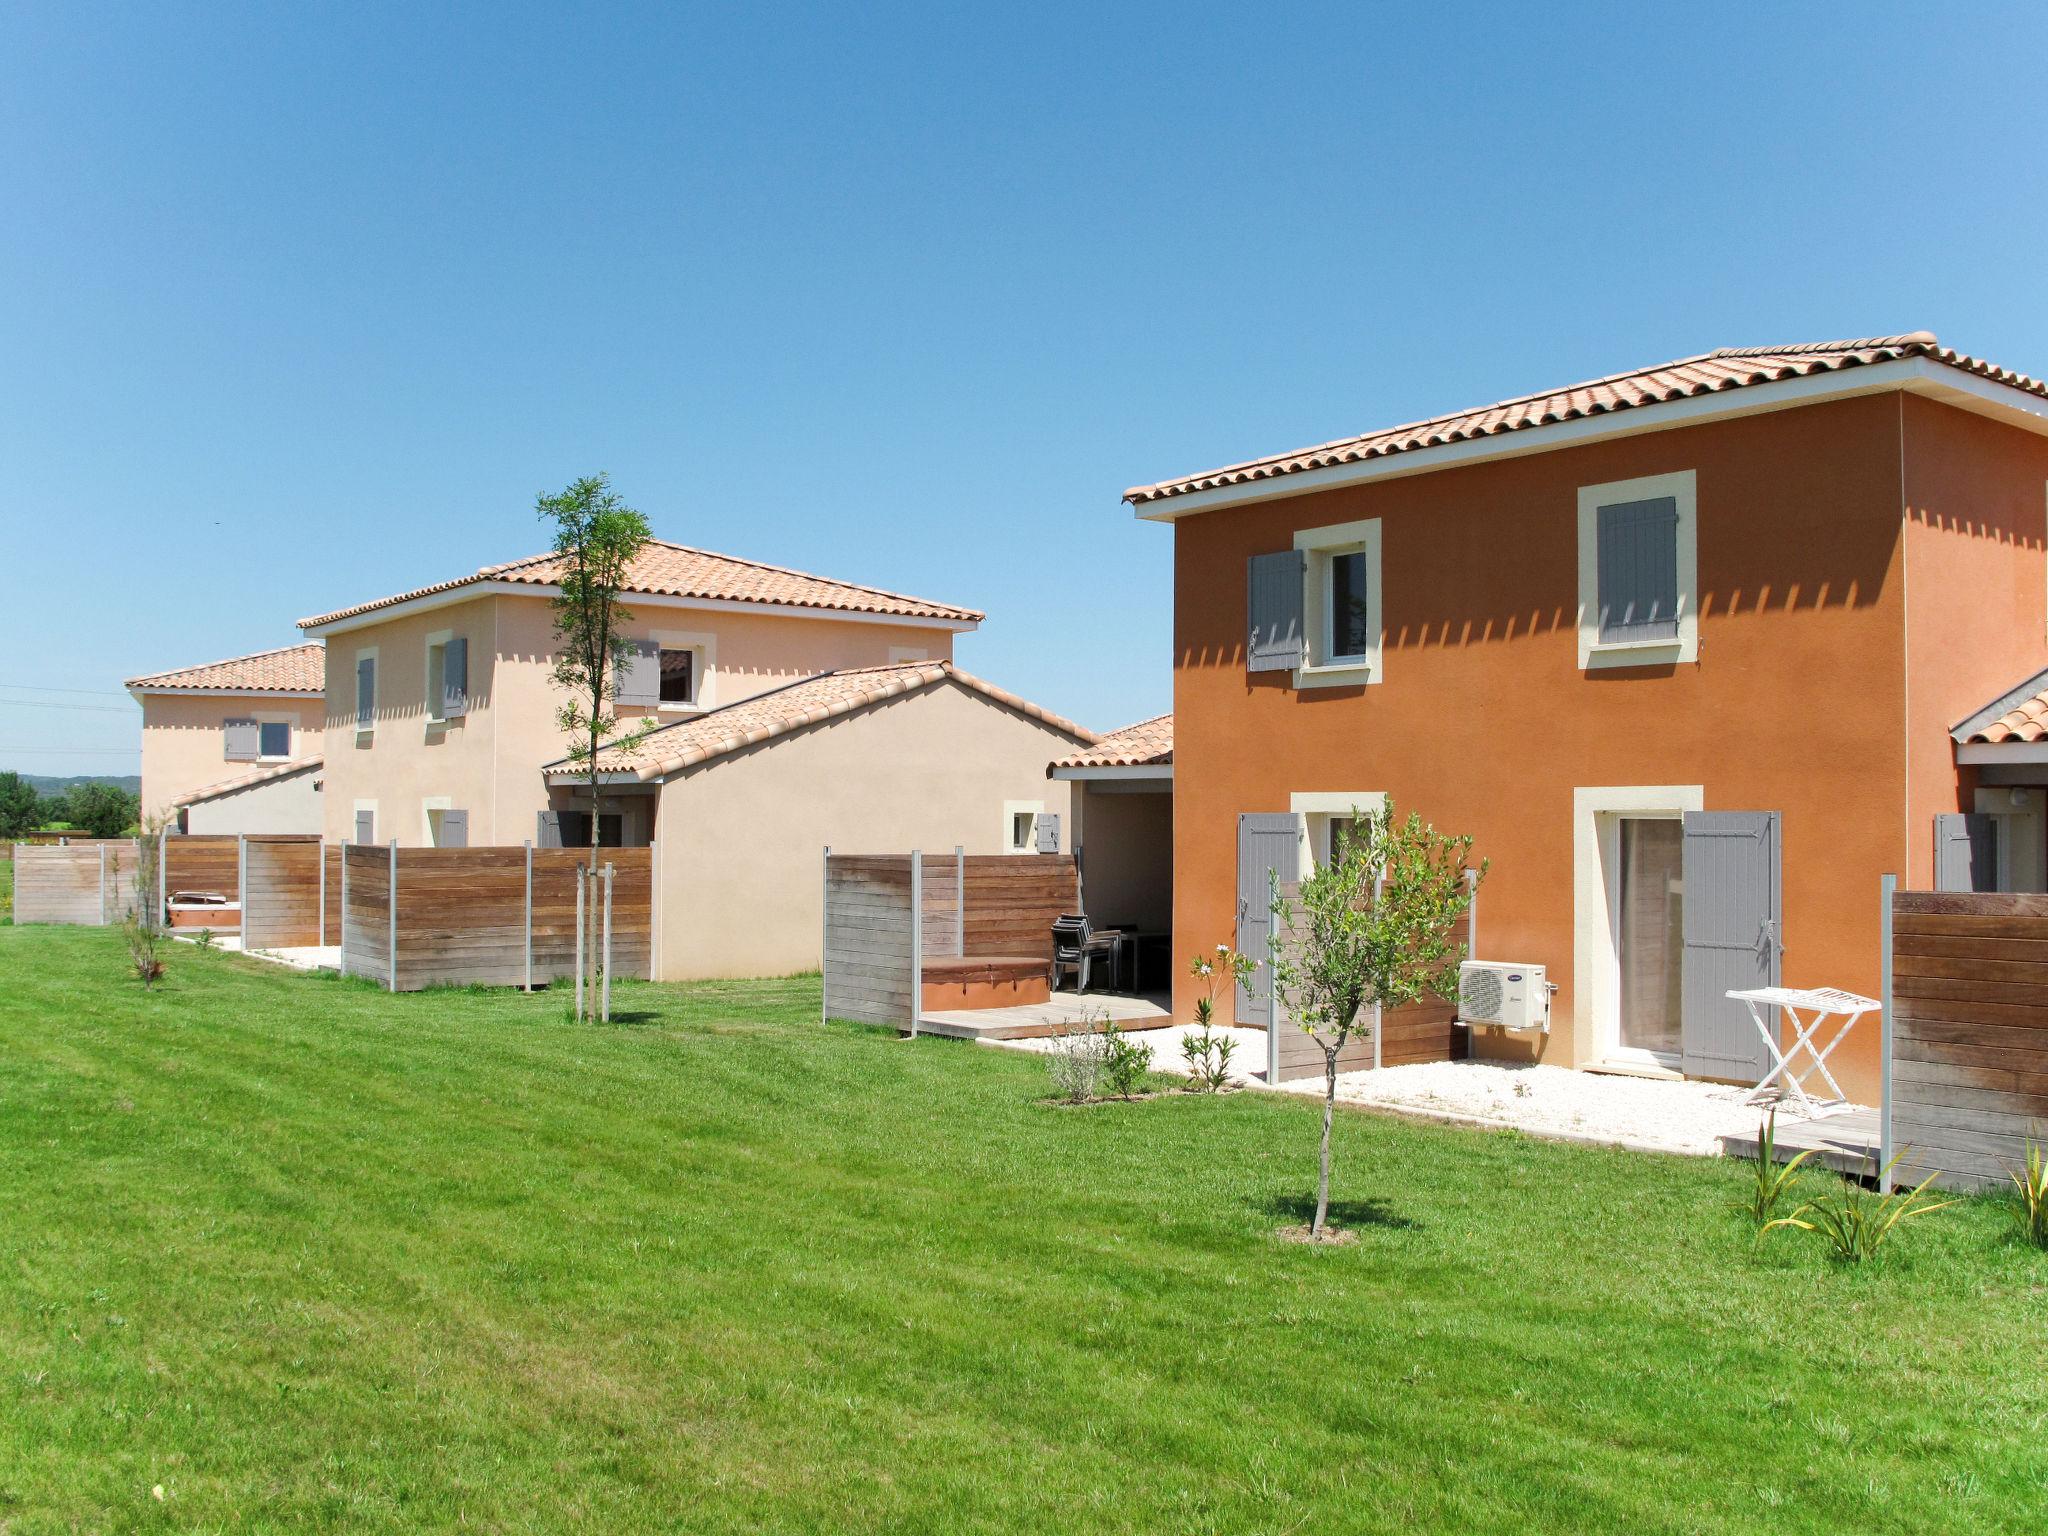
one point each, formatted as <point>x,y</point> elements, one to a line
<point>440,704</point>
<point>746,797</point>
<point>242,737</point>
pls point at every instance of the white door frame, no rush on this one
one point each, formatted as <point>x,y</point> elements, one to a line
<point>1597,814</point>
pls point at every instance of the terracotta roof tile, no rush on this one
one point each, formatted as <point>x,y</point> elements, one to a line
<point>1708,373</point>
<point>1147,744</point>
<point>675,570</point>
<point>250,780</point>
<point>783,710</point>
<point>2025,721</point>
<point>294,669</point>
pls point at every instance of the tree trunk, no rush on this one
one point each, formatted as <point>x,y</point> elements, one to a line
<point>1323,1169</point>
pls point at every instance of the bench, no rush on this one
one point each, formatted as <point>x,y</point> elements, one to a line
<point>984,981</point>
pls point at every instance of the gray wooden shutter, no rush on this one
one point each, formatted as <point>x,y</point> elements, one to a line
<point>455,829</point>
<point>639,684</point>
<point>455,678</point>
<point>366,693</point>
<point>549,833</point>
<point>1965,852</point>
<point>1732,939</point>
<point>1639,570</point>
<point>1274,601</point>
<point>366,827</point>
<point>1268,847</point>
<point>1046,833</point>
<point>242,740</point>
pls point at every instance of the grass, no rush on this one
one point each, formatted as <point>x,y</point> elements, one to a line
<point>6,892</point>
<point>309,1257</point>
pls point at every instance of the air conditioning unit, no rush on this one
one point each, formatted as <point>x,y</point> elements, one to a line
<point>1504,996</point>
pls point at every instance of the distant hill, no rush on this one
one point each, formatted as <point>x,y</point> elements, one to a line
<point>43,784</point>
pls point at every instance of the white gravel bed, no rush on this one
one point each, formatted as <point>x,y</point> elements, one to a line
<point>1635,1111</point>
<point>1247,1061</point>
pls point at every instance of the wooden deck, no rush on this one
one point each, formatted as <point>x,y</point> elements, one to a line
<point>1062,1011</point>
<point>1846,1142</point>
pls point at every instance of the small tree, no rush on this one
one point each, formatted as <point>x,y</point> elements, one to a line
<point>21,808</point>
<point>103,810</point>
<point>143,923</point>
<point>1375,926</point>
<point>597,537</point>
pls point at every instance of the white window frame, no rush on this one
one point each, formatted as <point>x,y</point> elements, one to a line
<point>1682,486</point>
<point>1318,668</point>
<point>705,668</point>
<point>1012,809</point>
<point>365,653</point>
<point>1318,809</point>
<point>435,687</point>
<point>430,830</point>
<point>290,722</point>
<point>1597,814</point>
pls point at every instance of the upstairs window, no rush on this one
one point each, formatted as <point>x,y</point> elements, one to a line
<point>1347,611</point>
<point>678,676</point>
<point>366,691</point>
<point>274,739</point>
<point>447,678</point>
<point>1639,572</point>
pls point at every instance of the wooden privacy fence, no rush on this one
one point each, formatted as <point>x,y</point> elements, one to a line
<point>1966,1032</point>
<point>886,915</point>
<point>90,884</point>
<point>421,917</point>
<point>1424,1031</point>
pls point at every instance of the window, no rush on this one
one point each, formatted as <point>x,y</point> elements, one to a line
<point>274,739</point>
<point>678,676</point>
<point>1340,577</point>
<point>1020,825</point>
<point>1327,819</point>
<point>447,687</point>
<point>1638,572</point>
<point>1336,832</point>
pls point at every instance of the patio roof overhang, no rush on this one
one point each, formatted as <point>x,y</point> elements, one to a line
<point>1114,773</point>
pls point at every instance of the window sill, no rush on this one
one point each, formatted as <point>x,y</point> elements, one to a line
<point>1348,674</point>
<point>1635,653</point>
<point>680,709</point>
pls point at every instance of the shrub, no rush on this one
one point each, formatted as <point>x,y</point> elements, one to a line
<point>1855,1222</point>
<point>1208,1057</point>
<point>1124,1061</point>
<point>1076,1061</point>
<point>2032,1183</point>
<point>1771,1181</point>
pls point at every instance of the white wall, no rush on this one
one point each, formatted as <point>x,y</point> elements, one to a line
<point>279,805</point>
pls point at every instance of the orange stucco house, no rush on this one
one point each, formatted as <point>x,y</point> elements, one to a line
<point>1696,653</point>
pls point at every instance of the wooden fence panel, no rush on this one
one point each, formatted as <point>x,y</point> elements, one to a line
<point>83,884</point>
<point>868,939</point>
<point>281,904</point>
<point>366,922</point>
<point>331,874</point>
<point>203,863</point>
<point>1012,900</point>
<point>1969,1032</point>
<point>940,890</point>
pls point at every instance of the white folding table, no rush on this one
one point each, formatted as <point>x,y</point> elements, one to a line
<point>1819,1004</point>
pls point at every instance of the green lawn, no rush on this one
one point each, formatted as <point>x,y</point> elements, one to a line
<point>310,1257</point>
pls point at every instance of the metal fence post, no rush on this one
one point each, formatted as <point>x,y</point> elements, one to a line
<point>1887,888</point>
<point>825,938</point>
<point>341,925</point>
<point>1379,888</point>
<point>103,885</point>
<point>653,909</point>
<point>579,943</point>
<point>529,914</point>
<point>604,980</point>
<point>916,939</point>
<point>392,974</point>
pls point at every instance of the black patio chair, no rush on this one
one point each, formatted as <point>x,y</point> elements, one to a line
<point>1076,947</point>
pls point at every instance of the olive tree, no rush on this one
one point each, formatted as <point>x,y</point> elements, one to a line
<point>1375,926</point>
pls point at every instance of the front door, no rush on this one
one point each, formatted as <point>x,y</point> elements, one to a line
<point>1732,938</point>
<point>1268,849</point>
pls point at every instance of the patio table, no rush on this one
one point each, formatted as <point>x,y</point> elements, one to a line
<point>1820,1004</point>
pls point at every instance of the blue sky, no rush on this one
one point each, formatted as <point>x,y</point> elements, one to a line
<point>300,307</point>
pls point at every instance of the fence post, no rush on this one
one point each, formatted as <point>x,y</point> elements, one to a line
<point>604,980</point>
<point>960,902</point>
<point>341,926</point>
<point>825,937</point>
<point>529,914</point>
<point>579,943</point>
<point>392,973</point>
<point>653,909</point>
<point>163,876</point>
<point>1379,888</point>
<point>916,939</point>
<point>1887,887</point>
